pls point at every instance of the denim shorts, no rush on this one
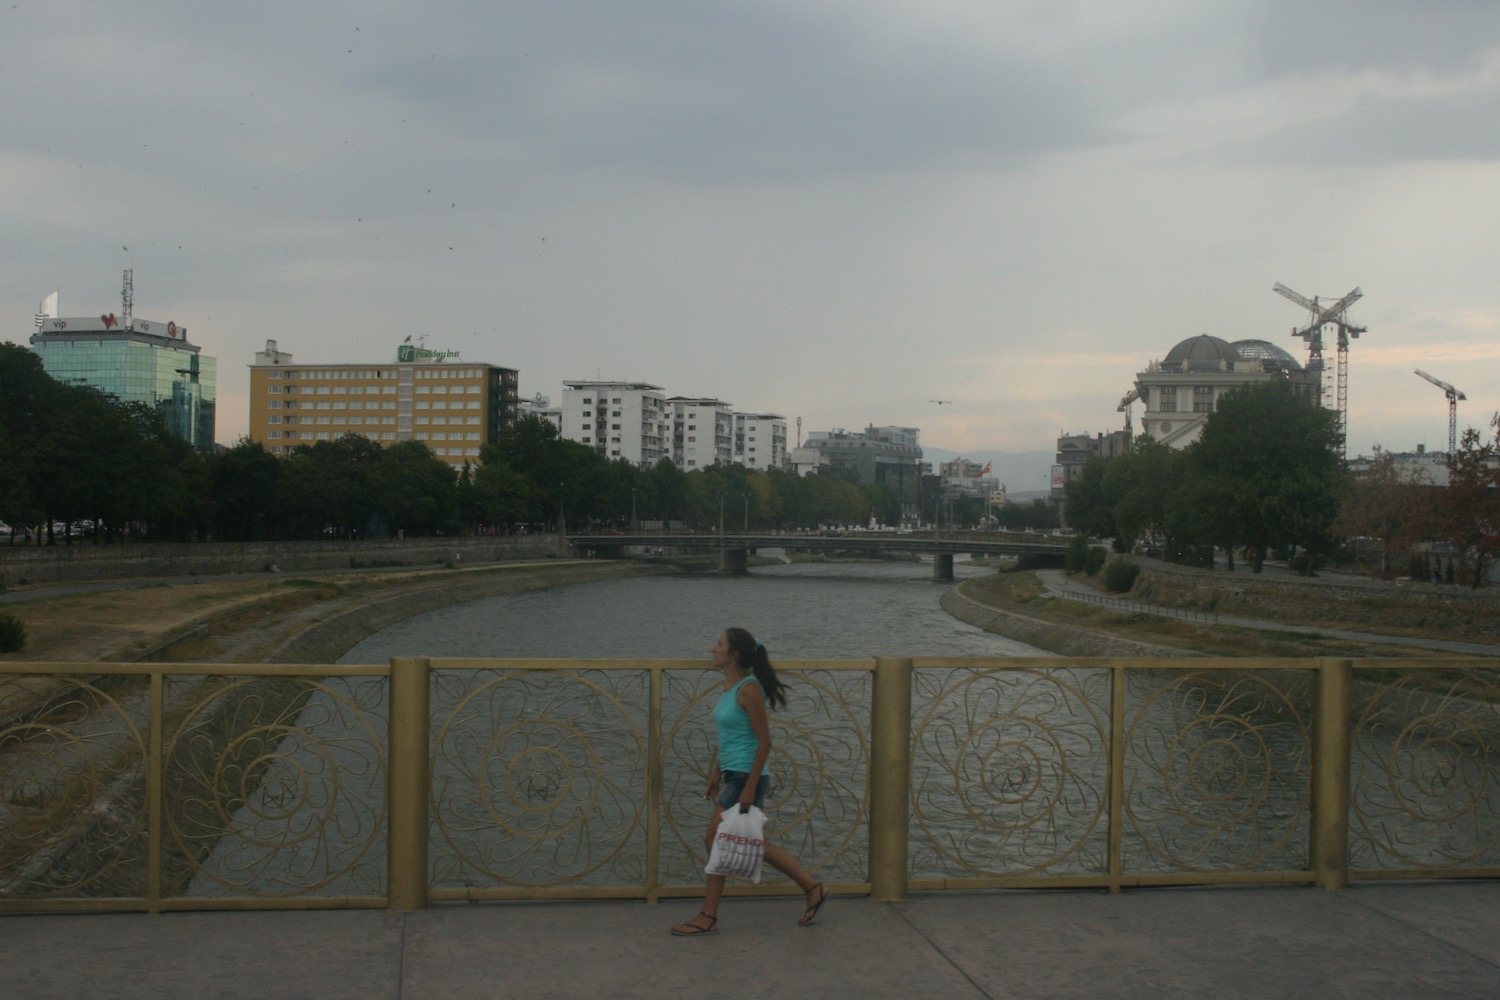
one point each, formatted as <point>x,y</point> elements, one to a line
<point>732,783</point>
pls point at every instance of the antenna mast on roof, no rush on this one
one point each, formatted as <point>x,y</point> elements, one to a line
<point>127,298</point>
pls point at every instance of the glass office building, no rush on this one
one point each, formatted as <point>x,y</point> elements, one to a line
<point>148,362</point>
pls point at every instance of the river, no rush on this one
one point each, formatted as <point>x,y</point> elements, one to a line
<point>799,611</point>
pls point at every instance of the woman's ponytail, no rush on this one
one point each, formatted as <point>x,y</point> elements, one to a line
<point>753,655</point>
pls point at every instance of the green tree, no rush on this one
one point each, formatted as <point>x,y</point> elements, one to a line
<point>883,503</point>
<point>245,482</point>
<point>665,493</point>
<point>1468,510</point>
<point>502,495</point>
<point>563,475</point>
<point>1085,505</point>
<point>28,398</point>
<point>1138,485</point>
<point>1385,508</point>
<point>765,503</point>
<point>1272,458</point>
<point>414,489</point>
<point>326,487</point>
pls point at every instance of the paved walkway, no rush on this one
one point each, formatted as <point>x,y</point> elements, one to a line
<point>1397,940</point>
<point>1060,583</point>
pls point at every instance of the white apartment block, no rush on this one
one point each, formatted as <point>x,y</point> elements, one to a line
<point>628,420</point>
<point>760,440</point>
<point>702,432</point>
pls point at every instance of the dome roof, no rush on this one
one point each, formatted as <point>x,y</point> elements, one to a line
<point>1265,351</point>
<point>1203,348</point>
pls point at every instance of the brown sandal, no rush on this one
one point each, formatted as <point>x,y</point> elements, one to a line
<point>695,930</point>
<point>812,911</point>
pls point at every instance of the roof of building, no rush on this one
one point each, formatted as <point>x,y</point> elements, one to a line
<point>1264,350</point>
<point>1203,348</point>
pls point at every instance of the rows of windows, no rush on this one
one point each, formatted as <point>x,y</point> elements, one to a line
<point>440,451</point>
<point>371,390</point>
<point>421,404</point>
<point>357,407</point>
<point>338,420</point>
<point>326,374</point>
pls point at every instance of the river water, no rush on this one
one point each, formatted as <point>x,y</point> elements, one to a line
<point>801,611</point>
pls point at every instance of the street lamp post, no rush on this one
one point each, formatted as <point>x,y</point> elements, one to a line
<point>634,524</point>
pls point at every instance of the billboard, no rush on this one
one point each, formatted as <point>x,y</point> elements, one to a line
<point>110,323</point>
<point>1057,477</point>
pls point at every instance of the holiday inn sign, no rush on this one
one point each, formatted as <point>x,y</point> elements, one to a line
<point>410,352</point>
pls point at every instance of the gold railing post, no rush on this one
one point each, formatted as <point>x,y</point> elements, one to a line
<point>1116,861</point>
<point>654,785</point>
<point>1331,748</point>
<point>407,785</point>
<point>890,777</point>
<point>156,779</point>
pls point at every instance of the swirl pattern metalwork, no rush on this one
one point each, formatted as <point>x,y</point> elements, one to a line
<point>275,787</point>
<point>538,777</point>
<point>72,787</point>
<point>1425,770</point>
<point>1218,771</point>
<point>818,798</point>
<point>1009,772</point>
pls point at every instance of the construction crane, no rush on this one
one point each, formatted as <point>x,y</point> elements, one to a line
<point>1124,407</point>
<point>1312,334</point>
<point>1453,397</point>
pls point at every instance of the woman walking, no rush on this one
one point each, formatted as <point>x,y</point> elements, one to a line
<point>739,774</point>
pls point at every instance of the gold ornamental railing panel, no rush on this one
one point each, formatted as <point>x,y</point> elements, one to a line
<point>1425,746</point>
<point>177,786</point>
<point>587,777</point>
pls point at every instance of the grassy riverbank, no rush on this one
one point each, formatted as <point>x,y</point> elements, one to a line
<point>308,618</point>
<point>1029,612</point>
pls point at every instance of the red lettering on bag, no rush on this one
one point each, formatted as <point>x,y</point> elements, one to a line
<point>735,838</point>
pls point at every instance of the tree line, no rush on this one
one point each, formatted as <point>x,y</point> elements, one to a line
<point>76,462</point>
<point>1267,475</point>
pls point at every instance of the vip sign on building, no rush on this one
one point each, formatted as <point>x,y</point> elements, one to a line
<point>452,406</point>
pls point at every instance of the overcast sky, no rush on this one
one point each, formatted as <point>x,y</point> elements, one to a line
<point>835,209</point>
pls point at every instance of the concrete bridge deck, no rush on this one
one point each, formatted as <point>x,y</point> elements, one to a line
<point>1370,941</point>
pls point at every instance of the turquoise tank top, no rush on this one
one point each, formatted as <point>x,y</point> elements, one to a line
<point>737,741</point>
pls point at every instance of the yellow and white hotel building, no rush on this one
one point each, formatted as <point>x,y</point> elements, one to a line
<point>454,407</point>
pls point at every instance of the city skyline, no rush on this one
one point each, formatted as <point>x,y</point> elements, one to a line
<point>833,211</point>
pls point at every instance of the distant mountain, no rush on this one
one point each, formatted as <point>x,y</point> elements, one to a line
<point>1027,473</point>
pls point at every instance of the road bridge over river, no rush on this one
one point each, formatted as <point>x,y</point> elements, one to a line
<point>735,548</point>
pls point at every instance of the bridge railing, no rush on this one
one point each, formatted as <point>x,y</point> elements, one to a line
<point>1136,607</point>
<point>191,786</point>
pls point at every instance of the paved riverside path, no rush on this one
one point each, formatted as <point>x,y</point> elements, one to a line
<point>1060,583</point>
<point>1394,939</point>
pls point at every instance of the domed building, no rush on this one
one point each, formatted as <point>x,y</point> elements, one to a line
<point>1180,391</point>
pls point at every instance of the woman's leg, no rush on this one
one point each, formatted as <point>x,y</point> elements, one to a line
<point>783,862</point>
<point>707,918</point>
<point>815,892</point>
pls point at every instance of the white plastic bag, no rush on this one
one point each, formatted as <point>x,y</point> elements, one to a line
<point>739,845</point>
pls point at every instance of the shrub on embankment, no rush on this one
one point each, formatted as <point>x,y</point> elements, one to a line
<point>12,633</point>
<point>1119,575</point>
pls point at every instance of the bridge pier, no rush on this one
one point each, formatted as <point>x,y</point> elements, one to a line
<point>734,562</point>
<point>942,566</point>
